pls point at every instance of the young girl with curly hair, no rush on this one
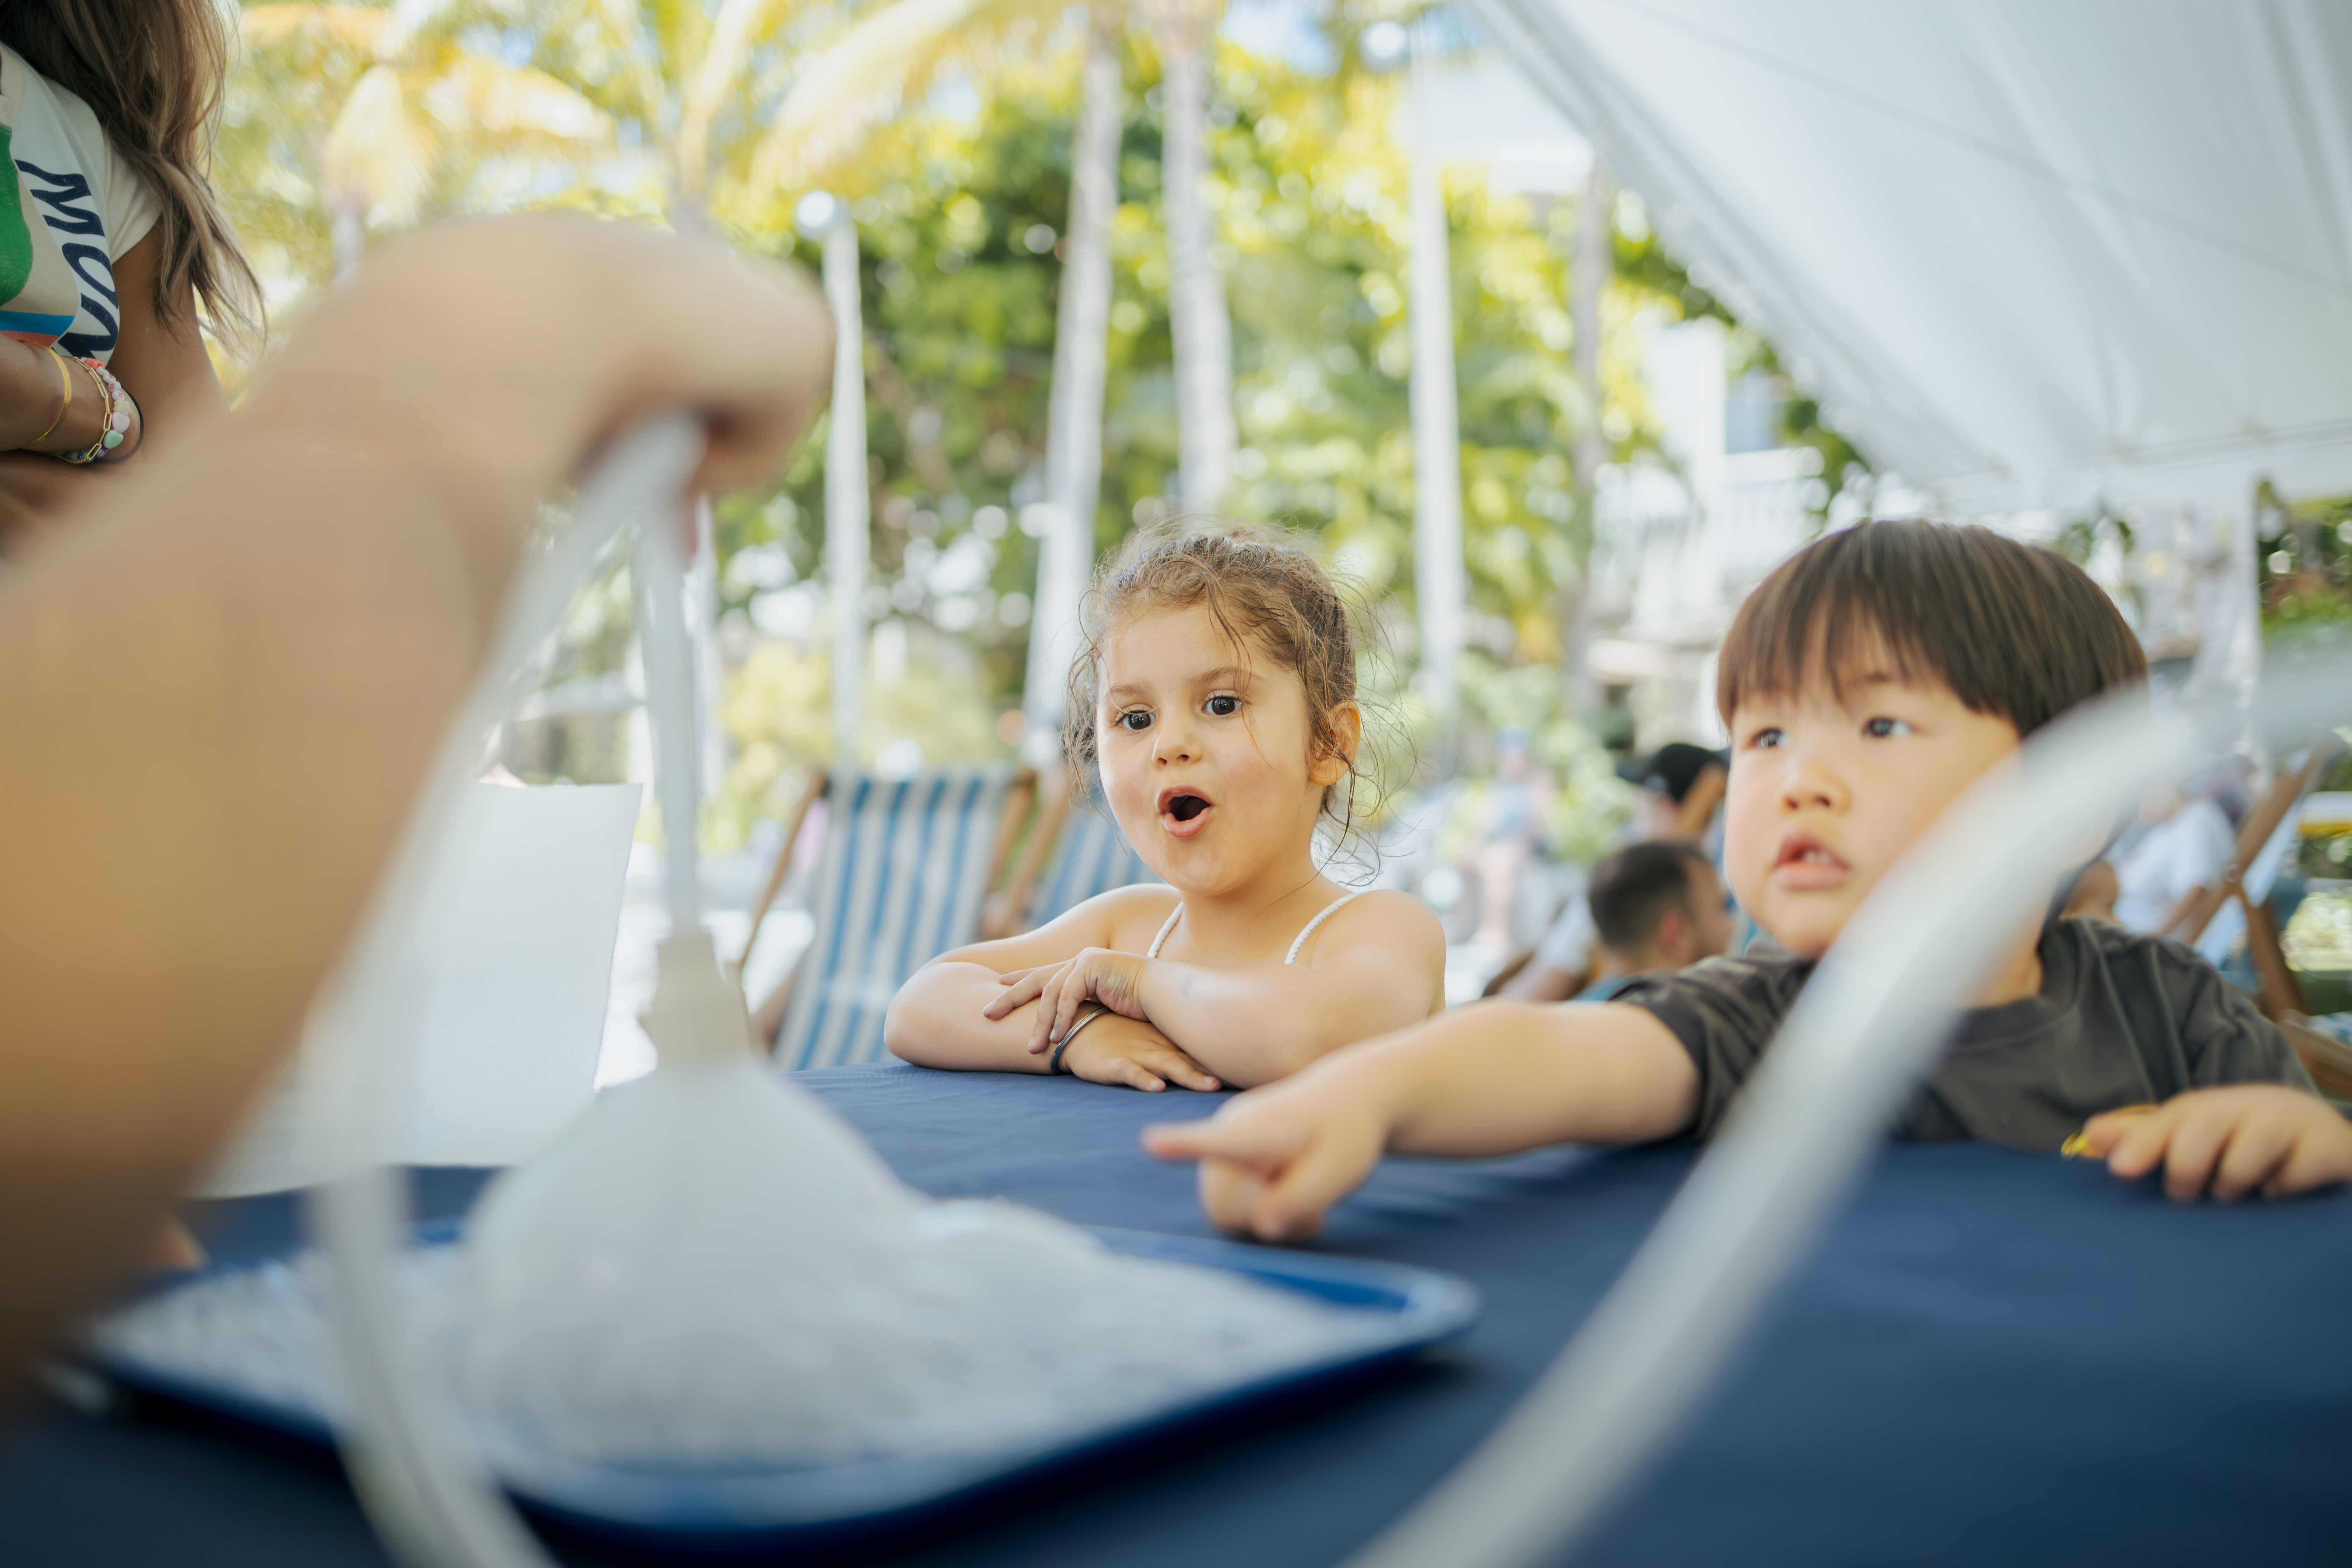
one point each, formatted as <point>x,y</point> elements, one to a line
<point>1216,695</point>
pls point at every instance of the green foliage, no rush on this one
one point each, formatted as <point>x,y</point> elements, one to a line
<point>960,207</point>
<point>2305,559</point>
<point>960,220</point>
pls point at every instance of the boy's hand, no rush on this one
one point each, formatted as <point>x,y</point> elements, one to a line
<point>1273,1160</point>
<point>1098,974</point>
<point>1119,1051</point>
<point>2247,1138</point>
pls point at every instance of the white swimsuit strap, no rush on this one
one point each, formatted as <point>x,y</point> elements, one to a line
<point>1162,939</point>
<point>1334,907</point>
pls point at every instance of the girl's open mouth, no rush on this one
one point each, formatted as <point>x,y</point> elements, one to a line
<point>1183,812</point>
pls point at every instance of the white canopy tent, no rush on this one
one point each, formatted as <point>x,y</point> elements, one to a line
<point>2029,255</point>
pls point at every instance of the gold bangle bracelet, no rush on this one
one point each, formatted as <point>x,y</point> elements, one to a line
<point>64,385</point>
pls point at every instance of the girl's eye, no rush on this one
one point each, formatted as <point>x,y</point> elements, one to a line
<point>1884,729</point>
<point>1765,740</point>
<point>1224,705</point>
<point>1135,720</point>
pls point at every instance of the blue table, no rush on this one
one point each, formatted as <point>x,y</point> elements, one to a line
<point>1995,1358</point>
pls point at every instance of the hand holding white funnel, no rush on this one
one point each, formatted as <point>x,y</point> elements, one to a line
<point>710,1269</point>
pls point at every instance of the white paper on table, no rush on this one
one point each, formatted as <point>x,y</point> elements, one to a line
<point>518,965</point>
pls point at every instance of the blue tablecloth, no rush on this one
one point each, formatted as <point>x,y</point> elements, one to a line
<point>1995,1357</point>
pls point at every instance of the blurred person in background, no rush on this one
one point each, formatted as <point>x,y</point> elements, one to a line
<point>2184,853</point>
<point>1681,795</point>
<point>110,233</point>
<point>1656,908</point>
<point>1518,802</point>
<point>222,686</point>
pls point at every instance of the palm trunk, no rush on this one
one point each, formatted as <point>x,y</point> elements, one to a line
<point>1589,273</point>
<point>1590,269</point>
<point>1197,316</point>
<point>1440,583</point>
<point>1074,432</point>
<point>847,538</point>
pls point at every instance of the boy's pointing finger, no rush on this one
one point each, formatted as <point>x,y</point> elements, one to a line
<point>1182,1140</point>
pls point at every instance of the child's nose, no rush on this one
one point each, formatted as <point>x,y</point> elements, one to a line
<point>1174,743</point>
<point>1811,785</point>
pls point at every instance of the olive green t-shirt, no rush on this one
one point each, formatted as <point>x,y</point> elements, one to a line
<point>2121,1020</point>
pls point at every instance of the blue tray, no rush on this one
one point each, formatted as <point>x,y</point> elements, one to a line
<point>806,1506</point>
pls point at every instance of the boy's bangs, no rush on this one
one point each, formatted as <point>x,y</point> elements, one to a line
<point>1838,636</point>
<point>2011,630</point>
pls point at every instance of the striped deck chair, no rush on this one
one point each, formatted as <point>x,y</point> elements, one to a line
<point>1092,857</point>
<point>906,865</point>
<point>1069,856</point>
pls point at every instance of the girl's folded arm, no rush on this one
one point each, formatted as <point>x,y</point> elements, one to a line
<point>936,1018</point>
<point>1381,970</point>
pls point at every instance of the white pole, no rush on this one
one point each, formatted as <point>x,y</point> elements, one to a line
<point>703,629</point>
<point>848,531</point>
<point>1074,428</point>
<point>1440,581</point>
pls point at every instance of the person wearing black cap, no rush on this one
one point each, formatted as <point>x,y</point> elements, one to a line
<point>1682,784</point>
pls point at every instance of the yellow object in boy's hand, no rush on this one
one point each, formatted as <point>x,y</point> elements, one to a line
<point>2078,1147</point>
<point>2228,1142</point>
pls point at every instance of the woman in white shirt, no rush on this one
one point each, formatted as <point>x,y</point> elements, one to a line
<point>110,230</point>
<point>2188,847</point>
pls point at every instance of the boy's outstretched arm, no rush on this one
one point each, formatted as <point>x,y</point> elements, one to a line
<point>1489,1079</point>
<point>2228,1141</point>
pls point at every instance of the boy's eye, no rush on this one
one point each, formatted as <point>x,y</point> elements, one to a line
<point>1224,705</point>
<point>1134,721</point>
<point>1765,740</point>
<point>1884,729</point>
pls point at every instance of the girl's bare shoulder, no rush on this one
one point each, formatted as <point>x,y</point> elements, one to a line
<point>1124,918</point>
<point>1385,920</point>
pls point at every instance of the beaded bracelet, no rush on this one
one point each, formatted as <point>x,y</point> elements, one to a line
<point>112,426</point>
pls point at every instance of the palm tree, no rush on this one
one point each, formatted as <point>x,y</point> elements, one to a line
<point>1073,430</point>
<point>413,109</point>
<point>858,85</point>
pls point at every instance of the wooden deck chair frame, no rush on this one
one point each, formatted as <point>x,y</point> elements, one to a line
<point>1047,872</point>
<point>1007,910</point>
<point>2281,995</point>
<point>1020,796</point>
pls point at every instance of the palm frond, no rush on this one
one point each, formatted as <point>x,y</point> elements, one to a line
<point>739,23</point>
<point>477,94</point>
<point>378,150</point>
<point>865,78</point>
<point>272,26</point>
<point>636,44</point>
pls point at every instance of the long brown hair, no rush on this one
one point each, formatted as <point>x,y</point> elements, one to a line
<point>153,72</point>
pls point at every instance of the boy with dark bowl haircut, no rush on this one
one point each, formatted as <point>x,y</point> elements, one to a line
<point>1867,683</point>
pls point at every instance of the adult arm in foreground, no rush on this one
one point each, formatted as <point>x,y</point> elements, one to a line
<point>220,689</point>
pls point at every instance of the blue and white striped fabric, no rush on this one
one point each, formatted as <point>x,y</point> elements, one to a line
<point>906,867</point>
<point>1092,857</point>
